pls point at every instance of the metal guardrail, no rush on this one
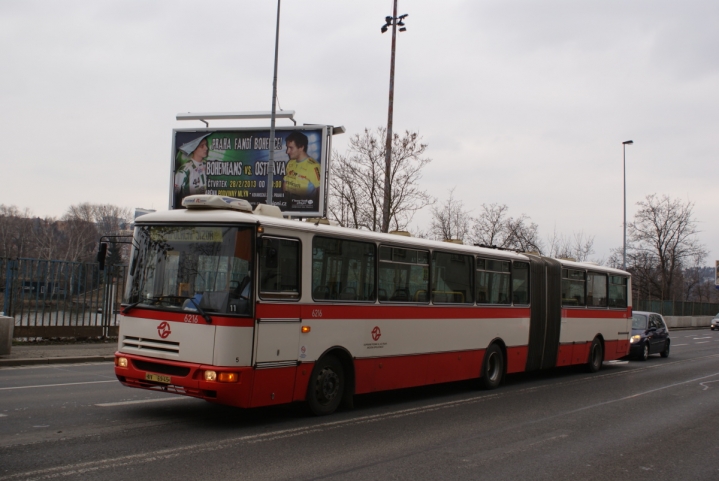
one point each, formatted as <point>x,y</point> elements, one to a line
<point>61,299</point>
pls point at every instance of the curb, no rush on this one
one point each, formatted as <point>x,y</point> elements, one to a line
<point>54,360</point>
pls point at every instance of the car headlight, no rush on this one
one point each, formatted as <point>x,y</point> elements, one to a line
<point>634,338</point>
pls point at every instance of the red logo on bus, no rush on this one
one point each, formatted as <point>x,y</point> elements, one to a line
<point>376,333</point>
<point>164,330</point>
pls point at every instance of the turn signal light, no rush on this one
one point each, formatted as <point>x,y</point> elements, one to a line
<point>121,361</point>
<point>210,376</point>
<point>228,377</point>
<point>306,329</point>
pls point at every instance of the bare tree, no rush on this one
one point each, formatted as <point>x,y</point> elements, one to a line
<point>16,239</point>
<point>578,246</point>
<point>494,227</point>
<point>662,242</point>
<point>450,220</point>
<point>357,181</point>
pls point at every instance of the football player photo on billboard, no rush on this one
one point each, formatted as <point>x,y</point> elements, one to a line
<point>191,173</point>
<point>301,182</point>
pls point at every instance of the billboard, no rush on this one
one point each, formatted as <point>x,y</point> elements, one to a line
<point>233,162</point>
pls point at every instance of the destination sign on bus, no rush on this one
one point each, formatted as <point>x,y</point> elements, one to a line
<point>234,163</point>
<point>186,234</point>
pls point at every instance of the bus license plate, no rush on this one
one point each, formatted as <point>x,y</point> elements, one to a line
<point>157,378</point>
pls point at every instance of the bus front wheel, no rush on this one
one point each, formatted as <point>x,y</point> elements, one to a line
<point>327,383</point>
<point>492,367</point>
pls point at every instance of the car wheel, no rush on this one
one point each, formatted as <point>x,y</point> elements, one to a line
<point>645,352</point>
<point>327,384</point>
<point>596,356</point>
<point>492,368</point>
<point>665,352</point>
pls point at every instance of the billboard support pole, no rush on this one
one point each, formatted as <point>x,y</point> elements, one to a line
<point>271,162</point>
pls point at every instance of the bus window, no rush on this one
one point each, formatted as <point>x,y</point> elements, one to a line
<point>451,278</point>
<point>403,275</point>
<point>520,283</point>
<point>492,281</point>
<point>596,290</point>
<point>279,268</point>
<point>618,292</point>
<point>573,284</point>
<point>342,270</point>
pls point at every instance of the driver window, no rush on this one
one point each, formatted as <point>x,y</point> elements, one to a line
<point>279,268</point>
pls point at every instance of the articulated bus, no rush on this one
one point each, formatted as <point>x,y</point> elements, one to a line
<point>246,308</point>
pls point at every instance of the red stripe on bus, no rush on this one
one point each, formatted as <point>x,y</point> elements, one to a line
<point>190,318</point>
<point>580,313</point>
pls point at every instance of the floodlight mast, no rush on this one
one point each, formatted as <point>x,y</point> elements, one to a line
<point>271,161</point>
<point>392,21</point>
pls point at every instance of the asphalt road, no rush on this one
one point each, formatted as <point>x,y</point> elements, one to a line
<point>632,420</point>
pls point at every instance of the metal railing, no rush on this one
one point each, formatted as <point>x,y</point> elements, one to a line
<point>59,298</point>
<point>677,308</point>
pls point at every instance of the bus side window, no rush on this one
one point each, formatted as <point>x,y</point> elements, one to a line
<point>573,284</point>
<point>596,290</point>
<point>452,278</point>
<point>617,292</point>
<point>520,283</point>
<point>343,270</point>
<point>403,275</point>
<point>279,268</point>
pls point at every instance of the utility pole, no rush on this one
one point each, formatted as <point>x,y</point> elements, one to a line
<point>271,162</point>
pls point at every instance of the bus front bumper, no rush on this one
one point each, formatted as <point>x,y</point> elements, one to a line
<point>184,378</point>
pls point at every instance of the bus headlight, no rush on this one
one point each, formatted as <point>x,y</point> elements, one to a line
<point>121,361</point>
<point>634,338</point>
<point>210,376</point>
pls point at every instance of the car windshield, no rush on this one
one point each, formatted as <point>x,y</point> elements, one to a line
<point>186,267</point>
<point>639,321</point>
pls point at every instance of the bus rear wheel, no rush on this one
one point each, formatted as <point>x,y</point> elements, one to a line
<point>492,368</point>
<point>327,383</point>
<point>596,356</point>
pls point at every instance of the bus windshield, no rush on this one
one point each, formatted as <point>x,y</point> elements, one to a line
<point>186,267</point>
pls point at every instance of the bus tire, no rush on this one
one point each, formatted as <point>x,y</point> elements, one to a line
<point>326,386</point>
<point>492,368</point>
<point>596,356</point>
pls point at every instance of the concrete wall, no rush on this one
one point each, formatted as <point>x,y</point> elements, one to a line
<point>688,321</point>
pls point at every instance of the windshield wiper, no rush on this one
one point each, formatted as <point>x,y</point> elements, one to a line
<point>157,299</point>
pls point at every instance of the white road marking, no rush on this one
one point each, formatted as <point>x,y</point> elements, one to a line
<point>3,415</point>
<point>676,345</point>
<point>697,338</point>
<point>143,401</point>
<point>703,342</point>
<point>54,385</point>
<point>704,384</point>
<point>169,453</point>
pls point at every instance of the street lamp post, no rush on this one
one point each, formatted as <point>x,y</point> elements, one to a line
<point>393,22</point>
<point>624,156</point>
<point>271,160</point>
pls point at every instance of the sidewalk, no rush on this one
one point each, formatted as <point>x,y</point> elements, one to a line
<point>29,354</point>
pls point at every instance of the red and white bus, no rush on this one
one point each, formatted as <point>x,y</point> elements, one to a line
<point>249,309</point>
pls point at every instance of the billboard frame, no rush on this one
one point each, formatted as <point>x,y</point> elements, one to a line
<point>326,134</point>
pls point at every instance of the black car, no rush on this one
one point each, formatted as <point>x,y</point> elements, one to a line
<point>649,335</point>
<point>715,323</point>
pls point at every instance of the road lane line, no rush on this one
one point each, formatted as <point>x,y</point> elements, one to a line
<point>169,453</point>
<point>703,342</point>
<point>143,401</point>
<point>676,345</point>
<point>3,415</point>
<point>54,385</point>
<point>697,338</point>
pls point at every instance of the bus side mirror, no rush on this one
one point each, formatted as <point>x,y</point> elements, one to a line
<point>101,254</point>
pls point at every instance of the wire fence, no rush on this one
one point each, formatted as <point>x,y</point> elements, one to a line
<point>59,298</point>
<point>677,308</point>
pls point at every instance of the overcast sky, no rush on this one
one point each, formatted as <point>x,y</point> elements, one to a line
<point>524,103</point>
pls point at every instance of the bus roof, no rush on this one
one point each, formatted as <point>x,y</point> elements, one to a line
<point>226,216</point>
